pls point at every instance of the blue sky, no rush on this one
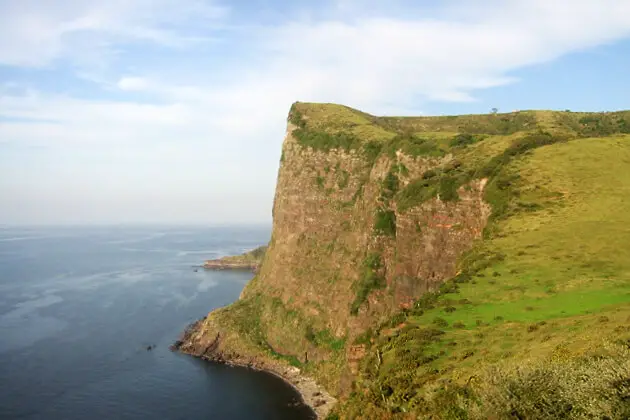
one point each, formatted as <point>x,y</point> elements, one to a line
<point>173,111</point>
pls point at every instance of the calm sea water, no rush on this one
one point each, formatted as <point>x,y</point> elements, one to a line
<point>79,306</point>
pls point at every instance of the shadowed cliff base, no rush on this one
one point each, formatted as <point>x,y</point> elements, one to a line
<point>424,266</point>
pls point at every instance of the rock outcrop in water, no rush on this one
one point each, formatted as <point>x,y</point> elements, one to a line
<point>377,227</point>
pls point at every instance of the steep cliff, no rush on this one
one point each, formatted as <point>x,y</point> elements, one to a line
<point>370,281</point>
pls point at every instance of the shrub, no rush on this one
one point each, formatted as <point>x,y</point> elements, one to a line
<point>440,322</point>
<point>309,334</point>
<point>369,281</point>
<point>429,174</point>
<point>385,223</point>
<point>323,141</point>
<point>462,140</point>
<point>296,117</point>
<point>391,183</point>
<point>371,150</point>
<point>416,192</point>
<point>604,124</point>
<point>258,252</point>
<point>411,145</point>
<point>365,337</point>
<point>593,386</point>
<point>448,189</point>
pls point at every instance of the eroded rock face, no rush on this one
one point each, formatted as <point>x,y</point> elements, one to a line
<point>323,231</point>
<point>321,237</point>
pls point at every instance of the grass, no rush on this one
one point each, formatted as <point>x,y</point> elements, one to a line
<point>324,338</point>
<point>549,281</point>
<point>553,273</point>
<point>255,255</point>
<point>385,223</point>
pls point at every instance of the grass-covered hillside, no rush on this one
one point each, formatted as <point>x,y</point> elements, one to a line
<point>537,322</point>
<point>463,267</point>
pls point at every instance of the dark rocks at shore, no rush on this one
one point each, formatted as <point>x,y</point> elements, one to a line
<point>210,349</point>
<point>231,265</point>
<point>249,261</point>
<point>185,336</point>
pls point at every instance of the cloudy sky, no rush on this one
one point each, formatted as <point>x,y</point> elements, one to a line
<point>126,111</point>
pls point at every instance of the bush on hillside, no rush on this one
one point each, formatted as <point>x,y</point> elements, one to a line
<point>385,223</point>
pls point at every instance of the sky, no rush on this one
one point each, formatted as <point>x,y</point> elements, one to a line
<point>174,111</point>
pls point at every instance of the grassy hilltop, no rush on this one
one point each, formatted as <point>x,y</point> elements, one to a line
<point>543,297</point>
<point>527,317</point>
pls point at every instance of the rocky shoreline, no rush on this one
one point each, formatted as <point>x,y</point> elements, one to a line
<point>228,265</point>
<point>250,261</point>
<point>313,395</point>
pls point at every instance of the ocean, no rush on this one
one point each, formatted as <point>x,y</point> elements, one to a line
<point>80,305</point>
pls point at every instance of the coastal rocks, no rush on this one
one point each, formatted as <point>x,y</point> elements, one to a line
<point>250,260</point>
<point>206,340</point>
<point>222,264</point>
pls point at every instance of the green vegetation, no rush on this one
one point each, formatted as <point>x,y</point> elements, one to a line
<point>551,273</point>
<point>596,385</point>
<point>534,324</point>
<point>257,253</point>
<point>370,280</point>
<point>385,218</point>
<point>464,139</point>
<point>448,188</point>
<point>417,192</point>
<point>497,124</point>
<point>385,223</point>
<point>389,186</point>
<point>412,145</point>
<point>604,124</point>
<point>255,256</point>
<point>552,276</point>
<point>320,140</point>
<point>324,338</point>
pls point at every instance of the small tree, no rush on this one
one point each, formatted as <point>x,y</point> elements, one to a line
<point>494,110</point>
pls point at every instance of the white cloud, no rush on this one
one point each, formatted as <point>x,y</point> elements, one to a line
<point>132,83</point>
<point>226,107</point>
<point>37,32</point>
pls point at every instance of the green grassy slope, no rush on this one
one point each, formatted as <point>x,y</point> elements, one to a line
<point>546,294</point>
<point>536,322</point>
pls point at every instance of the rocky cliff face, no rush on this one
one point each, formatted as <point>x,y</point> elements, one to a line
<point>324,229</point>
<point>343,256</point>
<point>367,287</point>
